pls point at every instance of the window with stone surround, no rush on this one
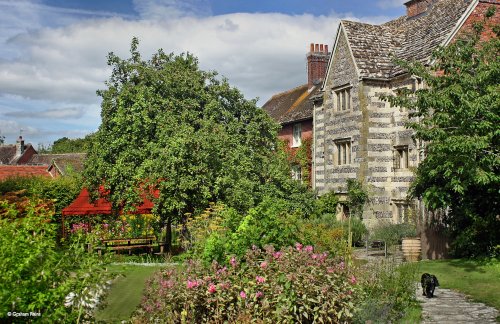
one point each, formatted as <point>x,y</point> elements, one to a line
<point>403,211</point>
<point>297,135</point>
<point>400,157</point>
<point>342,154</point>
<point>296,172</point>
<point>343,98</point>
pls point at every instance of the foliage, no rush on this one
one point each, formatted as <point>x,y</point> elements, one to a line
<point>300,156</point>
<point>357,197</point>
<point>326,232</point>
<point>457,116</point>
<point>389,292</point>
<point>326,204</point>
<point>68,145</point>
<point>62,191</point>
<point>392,234</point>
<point>286,286</point>
<point>220,232</point>
<point>168,126</point>
<point>37,276</point>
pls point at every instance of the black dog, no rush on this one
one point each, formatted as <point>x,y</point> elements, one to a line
<point>429,283</point>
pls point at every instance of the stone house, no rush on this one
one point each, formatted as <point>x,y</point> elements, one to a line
<point>293,110</point>
<point>355,133</point>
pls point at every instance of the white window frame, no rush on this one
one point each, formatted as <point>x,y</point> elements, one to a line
<point>296,172</point>
<point>297,135</point>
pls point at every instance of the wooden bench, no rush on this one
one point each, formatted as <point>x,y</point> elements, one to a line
<point>128,244</point>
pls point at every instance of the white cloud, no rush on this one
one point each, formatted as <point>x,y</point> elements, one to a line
<point>62,64</point>
<point>62,113</point>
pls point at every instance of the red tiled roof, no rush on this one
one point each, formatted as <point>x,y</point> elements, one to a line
<point>292,105</point>
<point>7,171</point>
<point>82,205</point>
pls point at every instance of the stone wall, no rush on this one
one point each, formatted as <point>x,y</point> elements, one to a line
<point>374,129</point>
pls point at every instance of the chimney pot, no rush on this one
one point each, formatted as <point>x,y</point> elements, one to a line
<point>317,61</point>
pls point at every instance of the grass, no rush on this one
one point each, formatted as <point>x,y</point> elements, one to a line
<point>479,279</point>
<point>126,292</point>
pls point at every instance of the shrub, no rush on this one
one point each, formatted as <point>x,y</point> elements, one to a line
<point>393,234</point>
<point>219,231</point>
<point>388,292</point>
<point>293,285</point>
<point>63,284</point>
<point>328,233</point>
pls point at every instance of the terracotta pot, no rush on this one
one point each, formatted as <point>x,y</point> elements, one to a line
<point>412,249</point>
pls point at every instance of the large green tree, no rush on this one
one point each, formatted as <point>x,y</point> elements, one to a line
<point>457,117</point>
<point>168,126</point>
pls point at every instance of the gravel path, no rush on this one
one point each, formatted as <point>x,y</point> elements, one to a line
<point>448,306</point>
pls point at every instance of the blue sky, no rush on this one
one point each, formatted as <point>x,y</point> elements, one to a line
<point>53,52</point>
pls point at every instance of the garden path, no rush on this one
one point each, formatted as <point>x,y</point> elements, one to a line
<point>449,306</point>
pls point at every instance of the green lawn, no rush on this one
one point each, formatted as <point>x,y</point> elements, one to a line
<point>125,293</point>
<point>480,279</point>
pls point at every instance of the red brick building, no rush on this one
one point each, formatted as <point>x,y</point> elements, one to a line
<point>293,109</point>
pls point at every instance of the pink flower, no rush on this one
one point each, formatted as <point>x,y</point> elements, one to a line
<point>341,265</point>
<point>222,270</point>
<point>298,246</point>
<point>277,255</point>
<point>166,283</point>
<point>353,279</point>
<point>191,284</point>
<point>212,288</point>
<point>254,247</point>
<point>309,248</point>
<point>263,265</point>
<point>260,279</point>
<point>243,295</point>
<point>233,262</point>
<point>330,270</point>
<point>314,256</point>
<point>259,294</point>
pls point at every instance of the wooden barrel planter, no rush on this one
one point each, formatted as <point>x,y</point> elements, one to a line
<point>412,249</point>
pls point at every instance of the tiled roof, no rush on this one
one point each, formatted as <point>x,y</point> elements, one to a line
<point>7,153</point>
<point>61,161</point>
<point>406,38</point>
<point>292,105</point>
<point>7,171</point>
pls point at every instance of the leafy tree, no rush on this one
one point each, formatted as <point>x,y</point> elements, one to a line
<point>168,126</point>
<point>457,116</point>
<point>67,145</point>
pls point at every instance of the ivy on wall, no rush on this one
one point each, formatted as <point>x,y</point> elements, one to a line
<point>302,156</point>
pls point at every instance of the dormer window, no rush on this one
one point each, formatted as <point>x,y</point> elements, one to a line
<point>297,135</point>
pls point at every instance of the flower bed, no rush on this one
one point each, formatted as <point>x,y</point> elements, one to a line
<point>290,285</point>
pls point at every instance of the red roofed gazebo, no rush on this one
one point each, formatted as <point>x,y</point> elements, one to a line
<point>83,205</point>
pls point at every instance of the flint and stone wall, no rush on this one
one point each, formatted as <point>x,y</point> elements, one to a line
<point>374,129</point>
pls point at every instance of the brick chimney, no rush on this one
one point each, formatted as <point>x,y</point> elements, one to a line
<point>19,146</point>
<point>317,61</point>
<point>417,7</point>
